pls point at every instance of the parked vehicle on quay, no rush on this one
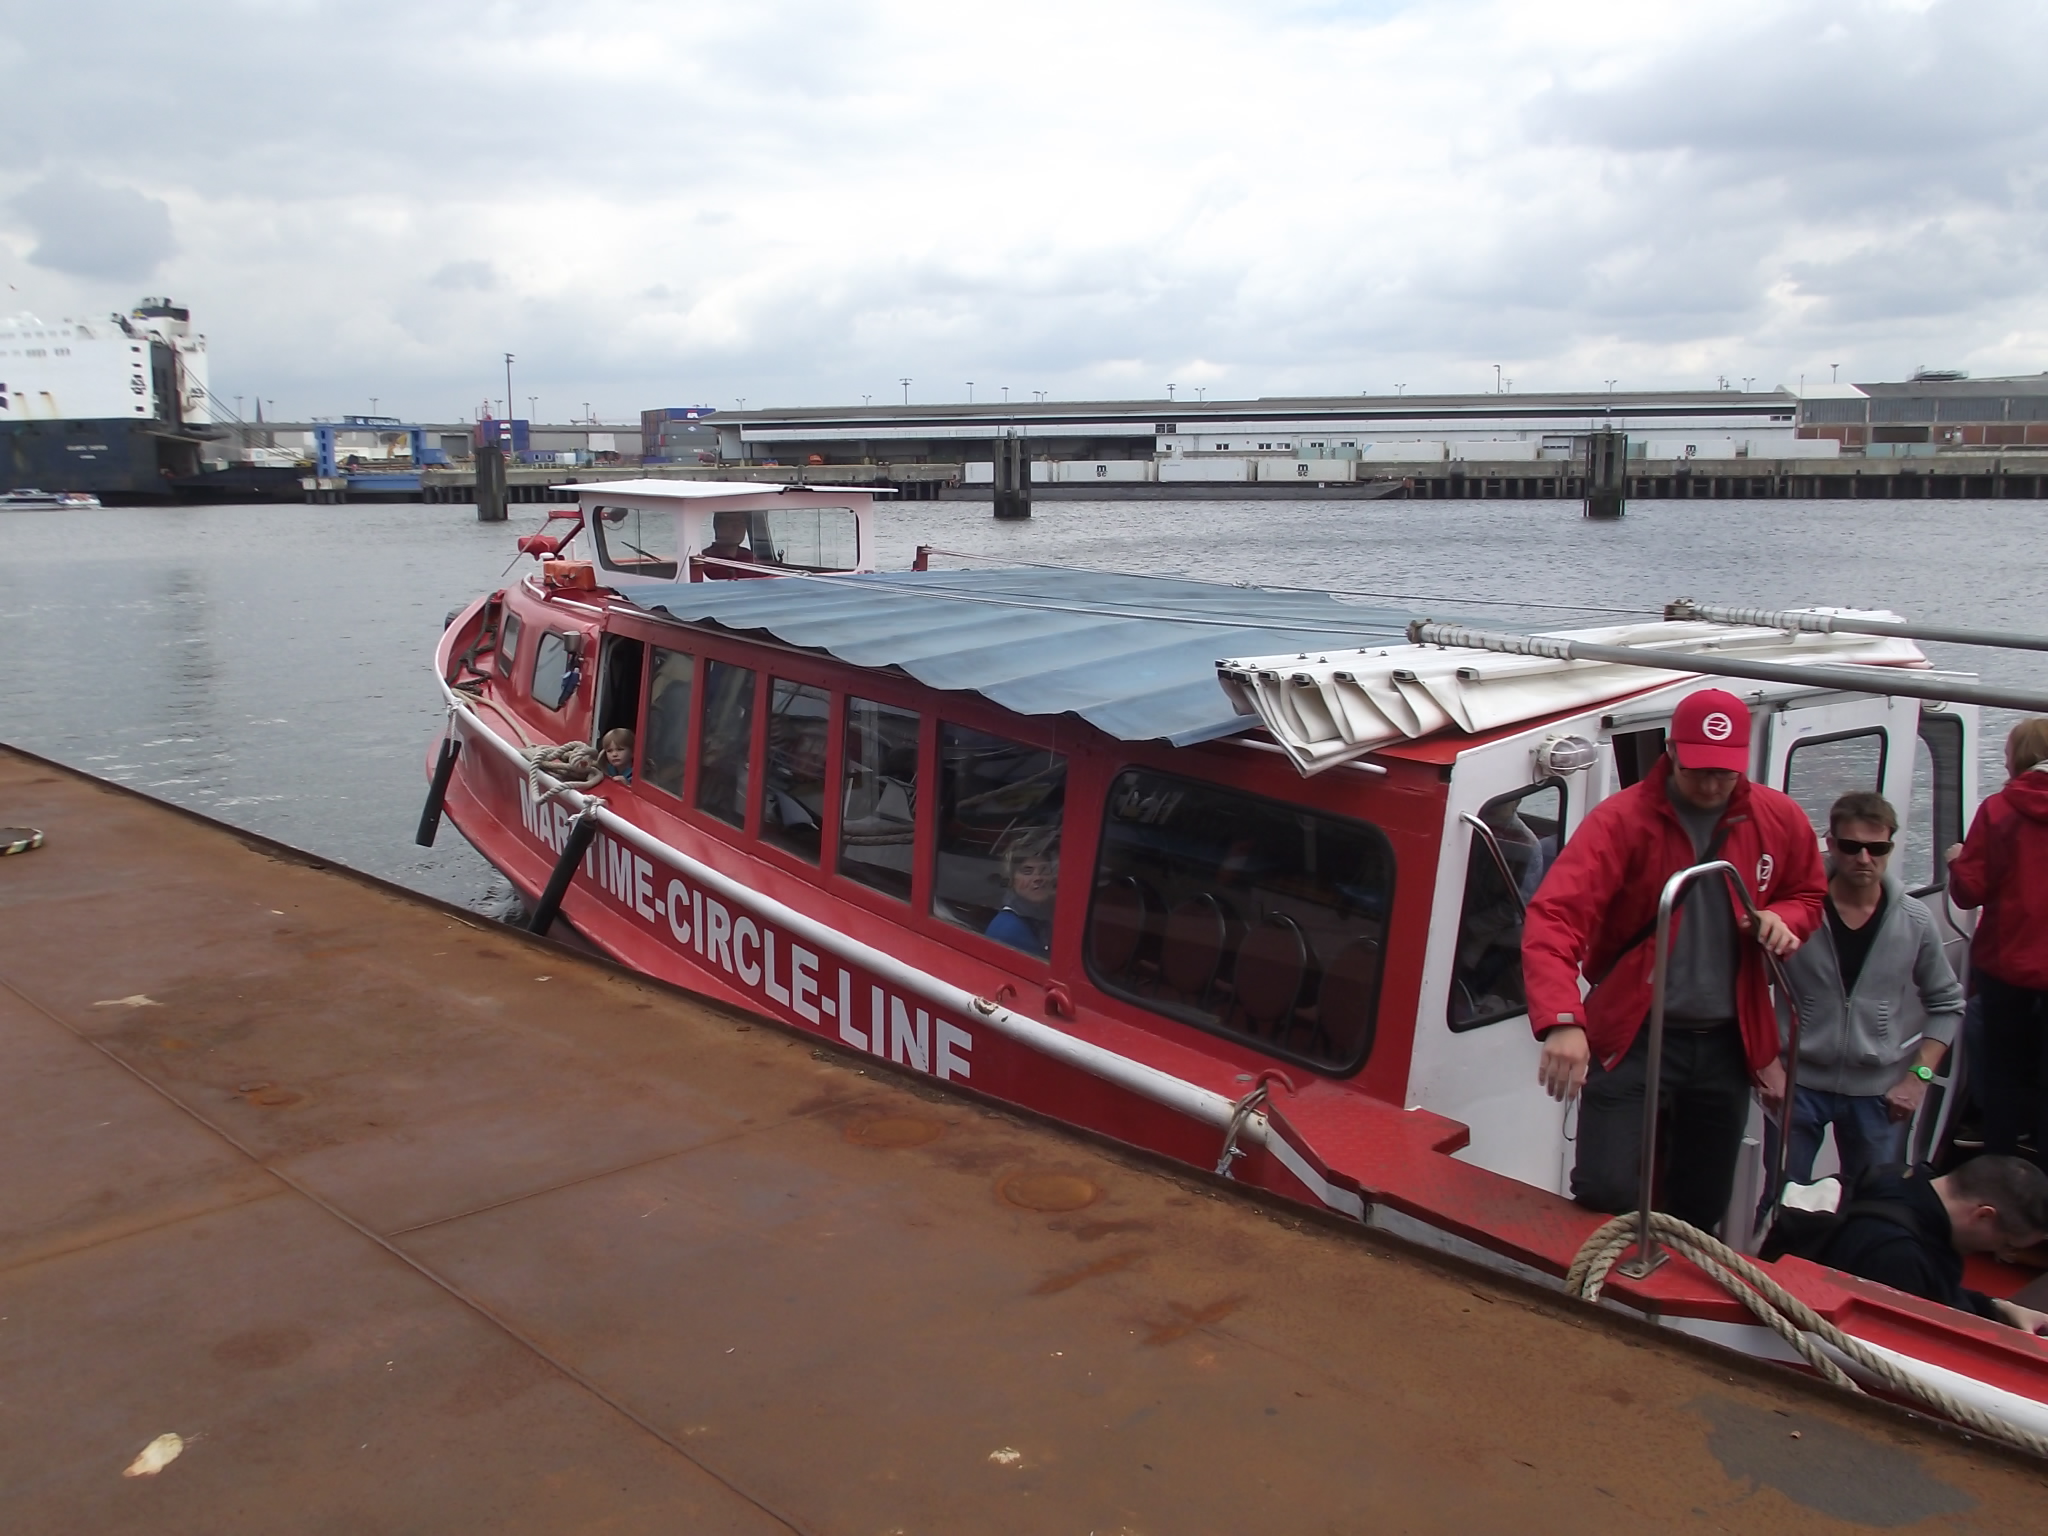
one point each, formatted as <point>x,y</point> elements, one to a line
<point>1021,832</point>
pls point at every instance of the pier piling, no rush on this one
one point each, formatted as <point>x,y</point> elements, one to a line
<point>1606,474</point>
<point>490,484</point>
<point>1013,478</point>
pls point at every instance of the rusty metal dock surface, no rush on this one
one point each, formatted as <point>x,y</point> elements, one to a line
<point>403,1223</point>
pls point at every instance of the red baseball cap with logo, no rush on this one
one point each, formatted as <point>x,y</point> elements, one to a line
<point>1711,730</point>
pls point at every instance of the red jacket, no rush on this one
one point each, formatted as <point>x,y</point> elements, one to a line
<point>2003,868</point>
<point>1602,893</point>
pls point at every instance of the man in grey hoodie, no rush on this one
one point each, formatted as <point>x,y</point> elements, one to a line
<point>1878,1004</point>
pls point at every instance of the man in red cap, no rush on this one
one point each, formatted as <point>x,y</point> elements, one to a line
<point>1596,915</point>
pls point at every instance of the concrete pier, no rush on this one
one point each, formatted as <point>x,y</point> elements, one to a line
<point>359,1213</point>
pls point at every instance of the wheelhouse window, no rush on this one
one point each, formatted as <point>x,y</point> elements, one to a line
<point>725,741</point>
<point>635,541</point>
<point>878,811</point>
<point>793,788</point>
<point>1000,806</point>
<point>556,670</point>
<point>1501,875</point>
<point>664,754</point>
<point>1822,769</point>
<point>1241,915</point>
<point>508,644</point>
<point>795,538</point>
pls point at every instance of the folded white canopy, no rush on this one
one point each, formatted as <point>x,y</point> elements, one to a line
<point>1329,707</point>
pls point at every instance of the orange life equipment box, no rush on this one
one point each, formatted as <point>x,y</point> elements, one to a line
<point>567,575</point>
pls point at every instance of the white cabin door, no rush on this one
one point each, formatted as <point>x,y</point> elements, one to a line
<point>1474,1056</point>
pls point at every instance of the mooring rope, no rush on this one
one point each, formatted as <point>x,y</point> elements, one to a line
<point>1791,1319</point>
<point>573,764</point>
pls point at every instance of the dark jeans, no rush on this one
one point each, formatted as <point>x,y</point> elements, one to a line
<point>1702,1111</point>
<point>1866,1136</point>
<point>2014,1083</point>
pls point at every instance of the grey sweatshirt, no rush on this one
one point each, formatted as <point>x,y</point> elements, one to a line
<point>1861,1043</point>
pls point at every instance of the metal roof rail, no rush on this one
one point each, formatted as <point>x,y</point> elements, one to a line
<point>1904,682</point>
<point>1817,622</point>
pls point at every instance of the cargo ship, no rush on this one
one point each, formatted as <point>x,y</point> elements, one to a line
<point>115,406</point>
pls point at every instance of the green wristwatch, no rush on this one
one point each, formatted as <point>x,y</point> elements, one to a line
<point>1924,1073</point>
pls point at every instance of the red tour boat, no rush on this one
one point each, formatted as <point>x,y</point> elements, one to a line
<point>1022,832</point>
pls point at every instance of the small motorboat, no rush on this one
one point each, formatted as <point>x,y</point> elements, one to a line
<point>30,500</point>
<point>1287,947</point>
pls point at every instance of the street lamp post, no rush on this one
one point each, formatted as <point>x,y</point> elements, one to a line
<point>508,386</point>
<point>970,391</point>
<point>906,390</point>
<point>1169,391</point>
<point>1496,378</point>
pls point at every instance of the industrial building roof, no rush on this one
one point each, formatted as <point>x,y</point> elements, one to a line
<point>1134,656</point>
<point>694,490</point>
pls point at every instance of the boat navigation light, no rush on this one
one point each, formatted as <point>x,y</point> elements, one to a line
<point>1565,754</point>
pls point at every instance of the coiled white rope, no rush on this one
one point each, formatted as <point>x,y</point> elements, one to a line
<point>1791,1319</point>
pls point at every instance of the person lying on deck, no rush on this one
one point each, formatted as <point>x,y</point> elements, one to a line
<point>1909,1230</point>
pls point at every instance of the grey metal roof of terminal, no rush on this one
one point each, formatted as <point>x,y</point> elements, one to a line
<point>1134,656</point>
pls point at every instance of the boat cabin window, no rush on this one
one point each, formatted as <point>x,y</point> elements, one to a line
<point>1242,915</point>
<point>664,752</point>
<point>508,644</point>
<point>878,814</point>
<point>635,541</point>
<point>1486,974</point>
<point>793,788</point>
<point>556,671</point>
<point>796,538</point>
<point>1934,820</point>
<point>725,741</point>
<point>1000,807</point>
<point>1821,769</point>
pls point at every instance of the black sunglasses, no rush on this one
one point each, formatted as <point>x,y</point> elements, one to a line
<point>1851,846</point>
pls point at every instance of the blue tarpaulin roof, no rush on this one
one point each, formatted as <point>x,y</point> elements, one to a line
<point>1134,656</point>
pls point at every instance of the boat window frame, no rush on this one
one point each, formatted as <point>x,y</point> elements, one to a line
<point>511,629</point>
<point>757,812</point>
<point>653,568</point>
<point>925,882</point>
<point>572,670</point>
<point>843,700</point>
<point>683,796</point>
<point>749,824</point>
<point>1855,733</point>
<point>1479,857</point>
<point>1947,813</point>
<point>1111,775</point>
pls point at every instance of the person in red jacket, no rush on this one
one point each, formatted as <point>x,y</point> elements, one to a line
<point>1595,915</point>
<point>2002,866</point>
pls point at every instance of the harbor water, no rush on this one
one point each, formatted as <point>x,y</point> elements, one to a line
<point>271,665</point>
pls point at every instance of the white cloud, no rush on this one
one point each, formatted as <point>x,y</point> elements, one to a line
<point>668,202</point>
<point>91,230</point>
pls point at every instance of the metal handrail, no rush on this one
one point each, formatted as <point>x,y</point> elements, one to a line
<point>1500,860</point>
<point>1802,622</point>
<point>1648,1254</point>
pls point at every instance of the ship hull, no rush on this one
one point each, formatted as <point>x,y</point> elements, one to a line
<point>116,460</point>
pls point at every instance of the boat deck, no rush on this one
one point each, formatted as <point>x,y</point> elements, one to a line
<point>403,1222</point>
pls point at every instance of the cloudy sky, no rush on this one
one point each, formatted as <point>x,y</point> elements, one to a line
<point>796,202</point>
